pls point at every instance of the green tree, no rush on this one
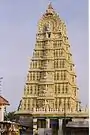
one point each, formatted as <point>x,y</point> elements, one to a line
<point>10,116</point>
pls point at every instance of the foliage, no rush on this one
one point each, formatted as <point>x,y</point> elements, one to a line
<point>11,116</point>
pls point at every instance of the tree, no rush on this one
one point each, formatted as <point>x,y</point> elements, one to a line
<point>11,116</point>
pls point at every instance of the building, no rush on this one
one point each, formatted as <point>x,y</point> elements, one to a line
<point>50,91</point>
<point>79,127</point>
<point>3,104</point>
<point>9,128</point>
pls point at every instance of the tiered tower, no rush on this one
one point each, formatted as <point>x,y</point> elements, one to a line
<point>51,79</point>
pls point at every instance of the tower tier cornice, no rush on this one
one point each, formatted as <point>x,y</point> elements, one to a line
<point>47,58</point>
<point>46,97</point>
<point>41,70</point>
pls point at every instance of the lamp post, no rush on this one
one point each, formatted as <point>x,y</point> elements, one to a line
<point>64,120</point>
<point>0,84</point>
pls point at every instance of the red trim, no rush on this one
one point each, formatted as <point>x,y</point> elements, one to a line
<point>3,101</point>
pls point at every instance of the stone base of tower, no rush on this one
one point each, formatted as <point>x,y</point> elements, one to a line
<point>45,125</point>
<point>41,122</point>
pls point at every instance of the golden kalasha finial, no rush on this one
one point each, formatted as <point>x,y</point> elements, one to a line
<point>50,6</point>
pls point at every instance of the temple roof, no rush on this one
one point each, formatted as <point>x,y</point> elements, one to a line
<point>83,123</point>
<point>3,101</point>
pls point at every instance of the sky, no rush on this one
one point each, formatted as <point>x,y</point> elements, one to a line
<point>18,27</point>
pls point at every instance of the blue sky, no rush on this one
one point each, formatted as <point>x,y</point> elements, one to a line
<point>18,26</point>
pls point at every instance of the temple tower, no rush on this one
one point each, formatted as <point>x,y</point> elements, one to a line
<point>51,79</point>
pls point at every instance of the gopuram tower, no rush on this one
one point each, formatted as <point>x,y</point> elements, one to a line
<point>50,89</point>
